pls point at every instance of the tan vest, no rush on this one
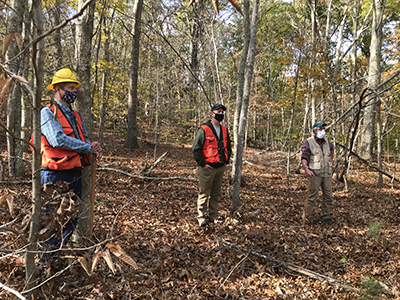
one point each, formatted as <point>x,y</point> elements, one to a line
<point>320,162</point>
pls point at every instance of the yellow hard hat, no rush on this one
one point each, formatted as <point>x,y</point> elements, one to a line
<point>63,75</point>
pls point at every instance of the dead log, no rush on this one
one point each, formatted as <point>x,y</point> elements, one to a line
<point>297,269</point>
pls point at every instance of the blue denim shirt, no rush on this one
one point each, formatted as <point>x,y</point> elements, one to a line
<point>55,135</point>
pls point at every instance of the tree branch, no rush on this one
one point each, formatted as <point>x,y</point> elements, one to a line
<point>297,269</point>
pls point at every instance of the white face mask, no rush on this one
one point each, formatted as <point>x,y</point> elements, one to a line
<point>320,134</point>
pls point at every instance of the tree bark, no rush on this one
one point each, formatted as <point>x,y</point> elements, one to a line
<point>131,137</point>
<point>38,65</point>
<point>26,104</point>
<point>55,20</point>
<point>194,63</point>
<point>104,79</point>
<point>241,77</point>
<point>84,104</point>
<point>374,76</point>
<point>243,113</point>
<point>15,65</point>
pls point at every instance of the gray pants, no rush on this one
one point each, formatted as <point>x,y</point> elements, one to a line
<point>326,184</point>
<point>210,181</point>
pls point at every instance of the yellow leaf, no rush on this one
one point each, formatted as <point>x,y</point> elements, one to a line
<point>85,265</point>
<point>5,86</point>
<point>96,258</point>
<point>191,3</point>
<point>20,79</point>
<point>107,257</point>
<point>18,38</point>
<point>236,5</point>
<point>118,252</point>
<point>215,3</point>
<point>10,203</point>
<point>6,42</point>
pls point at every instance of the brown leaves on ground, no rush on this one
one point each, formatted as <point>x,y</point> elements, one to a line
<point>172,258</point>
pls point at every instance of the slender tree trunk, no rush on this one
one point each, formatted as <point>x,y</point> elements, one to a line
<point>84,104</point>
<point>26,102</point>
<point>291,123</point>
<point>243,113</point>
<point>131,137</point>
<point>374,76</point>
<point>56,36</point>
<point>313,15</point>
<point>14,146</point>
<point>104,79</point>
<point>241,77</point>
<point>194,63</point>
<point>38,65</point>
<point>215,48</point>
<point>355,19</point>
<point>379,146</point>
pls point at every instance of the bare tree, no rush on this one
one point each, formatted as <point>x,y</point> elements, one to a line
<point>374,77</point>
<point>131,136</point>
<point>241,77</point>
<point>15,65</point>
<point>38,65</point>
<point>243,113</point>
<point>84,103</point>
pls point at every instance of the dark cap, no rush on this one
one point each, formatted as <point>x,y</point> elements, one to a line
<point>218,106</point>
<point>318,124</point>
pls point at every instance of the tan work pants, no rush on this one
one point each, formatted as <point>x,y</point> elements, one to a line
<point>326,184</point>
<point>210,181</point>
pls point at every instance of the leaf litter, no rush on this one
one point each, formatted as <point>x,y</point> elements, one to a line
<point>159,251</point>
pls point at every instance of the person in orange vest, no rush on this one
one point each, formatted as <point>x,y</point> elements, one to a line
<point>212,150</point>
<point>65,148</point>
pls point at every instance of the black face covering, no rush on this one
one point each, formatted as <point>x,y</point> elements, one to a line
<point>219,117</point>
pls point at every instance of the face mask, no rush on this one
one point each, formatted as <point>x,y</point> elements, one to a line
<point>219,117</point>
<point>69,97</point>
<point>321,134</point>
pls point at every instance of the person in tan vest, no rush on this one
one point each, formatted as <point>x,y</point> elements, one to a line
<point>316,158</point>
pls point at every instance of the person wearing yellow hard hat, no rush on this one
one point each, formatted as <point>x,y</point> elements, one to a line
<point>65,148</point>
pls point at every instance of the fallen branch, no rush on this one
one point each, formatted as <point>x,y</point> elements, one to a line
<point>145,177</point>
<point>16,182</point>
<point>146,171</point>
<point>369,164</point>
<point>12,291</point>
<point>297,269</point>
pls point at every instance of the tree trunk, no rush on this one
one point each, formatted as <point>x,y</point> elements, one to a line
<point>104,79</point>
<point>131,137</point>
<point>374,76</point>
<point>241,77</point>
<point>243,113</point>
<point>55,16</point>
<point>291,122</point>
<point>194,63</point>
<point>84,104</point>
<point>26,104</point>
<point>15,65</point>
<point>38,65</point>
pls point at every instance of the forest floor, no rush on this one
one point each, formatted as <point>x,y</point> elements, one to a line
<point>154,222</point>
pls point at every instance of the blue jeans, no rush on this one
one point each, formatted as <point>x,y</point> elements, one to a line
<point>74,180</point>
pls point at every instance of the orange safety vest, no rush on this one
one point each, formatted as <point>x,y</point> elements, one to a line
<point>210,148</point>
<point>55,158</point>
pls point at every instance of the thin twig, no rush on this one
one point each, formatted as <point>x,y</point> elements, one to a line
<point>233,269</point>
<point>12,291</point>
